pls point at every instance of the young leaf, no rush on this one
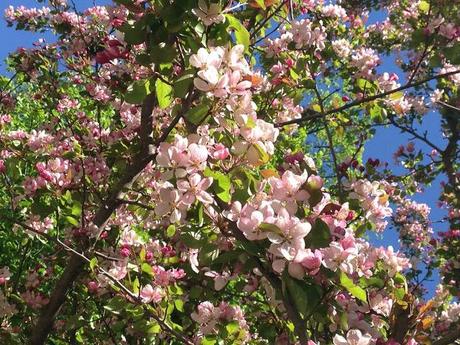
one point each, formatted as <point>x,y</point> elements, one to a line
<point>164,92</point>
<point>137,91</point>
<point>197,114</point>
<point>221,184</point>
<point>353,289</point>
<point>320,235</point>
<point>241,33</point>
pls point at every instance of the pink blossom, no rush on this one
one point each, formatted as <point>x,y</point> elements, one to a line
<point>209,14</point>
<point>310,260</point>
<point>151,294</point>
<point>195,189</point>
<point>354,337</point>
<point>220,152</point>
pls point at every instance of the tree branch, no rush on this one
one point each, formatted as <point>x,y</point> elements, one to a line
<point>75,264</point>
<point>274,280</point>
<point>414,133</point>
<point>449,338</point>
<point>310,114</point>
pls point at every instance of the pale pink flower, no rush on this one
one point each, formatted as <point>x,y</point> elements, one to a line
<point>204,58</point>
<point>209,14</point>
<point>310,260</point>
<point>220,152</point>
<point>170,202</point>
<point>354,337</point>
<point>195,189</point>
<point>220,279</point>
<point>151,294</point>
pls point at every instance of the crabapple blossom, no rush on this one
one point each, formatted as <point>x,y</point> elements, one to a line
<point>150,294</point>
<point>353,337</point>
<point>209,14</point>
<point>196,172</point>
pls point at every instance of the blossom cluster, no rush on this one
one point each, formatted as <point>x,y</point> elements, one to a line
<point>412,218</point>
<point>209,317</point>
<point>373,199</point>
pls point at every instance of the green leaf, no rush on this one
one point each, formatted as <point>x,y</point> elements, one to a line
<point>241,33</point>
<point>363,84</point>
<point>76,209</point>
<point>71,220</point>
<point>377,114</point>
<point>320,235</point>
<point>163,53</point>
<point>261,4</point>
<point>191,241</point>
<point>399,279</point>
<point>179,304</point>
<point>195,292</point>
<point>171,230</point>
<point>396,95</point>
<point>221,184</point>
<point>374,282</point>
<point>400,293</point>
<point>268,227</point>
<point>232,327</point>
<point>309,84</point>
<point>145,267</point>
<point>182,85</point>
<point>164,92</point>
<point>263,156</point>
<point>197,114</point>
<point>134,35</point>
<point>293,74</point>
<point>154,328</point>
<point>142,254</point>
<point>353,289</point>
<point>208,253</point>
<point>453,54</point>
<point>137,91</point>
<point>209,340</point>
<point>93,264</point>
<point>116,305</point>
<point>305,297</point>
<point>424,6</point>
<point>136,286</point>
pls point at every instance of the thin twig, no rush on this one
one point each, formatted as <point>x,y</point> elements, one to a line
<point>310,114</point>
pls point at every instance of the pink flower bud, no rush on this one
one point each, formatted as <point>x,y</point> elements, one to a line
<point>220,152</point>
<point>93,286</point>
<point>125,251</point>
<point>148,256</point>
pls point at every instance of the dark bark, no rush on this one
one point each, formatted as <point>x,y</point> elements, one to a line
<point>75,264</point>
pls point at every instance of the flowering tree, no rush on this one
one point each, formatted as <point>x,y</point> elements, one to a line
<point>191,172</point>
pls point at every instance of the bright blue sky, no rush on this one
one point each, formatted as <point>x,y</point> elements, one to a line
<point>385,143</point>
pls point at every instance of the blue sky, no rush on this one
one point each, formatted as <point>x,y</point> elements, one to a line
<point>384,144</point>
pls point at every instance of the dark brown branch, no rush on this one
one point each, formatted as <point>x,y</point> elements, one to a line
<point>273,279</point>
<point>310,114</point>
<point>137,203</point>
<point>414,133</point>
<point>330,143</point>
<point>449,154</point>
<point>449,338</point>
<point>275,282</point>
<point>263,22</point>
<point>76,264</point>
